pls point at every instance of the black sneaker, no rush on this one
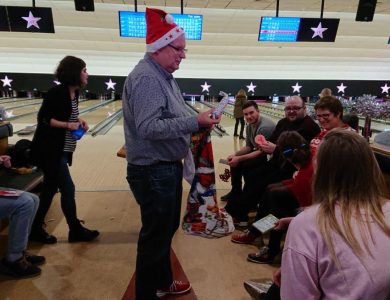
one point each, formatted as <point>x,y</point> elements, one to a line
<point>40,235</point>
<point>82,234</point>
<point>35,260</point>
<point>262,257</point>
<point>19,269</point>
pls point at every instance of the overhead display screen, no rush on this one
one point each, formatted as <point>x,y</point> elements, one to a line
<point>133,24</point>
<point>275,29</point>
<point>294,29</point>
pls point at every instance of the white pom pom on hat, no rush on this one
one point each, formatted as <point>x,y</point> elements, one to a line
<point>161,29</point>
<point>169,19</point>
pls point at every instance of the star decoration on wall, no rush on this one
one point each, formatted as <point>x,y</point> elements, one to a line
<point>296,88</point>
<point>341,88</point>
<point>385,89</point>
<point>6,81</point>
<point>205,87</point>
<point>56,82</point>
<point>110,84</point>
<point>31,20</point>
<point>318,31</point>
<point>251,87</point>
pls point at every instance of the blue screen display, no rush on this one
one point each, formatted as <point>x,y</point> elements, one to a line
<point>133,24</point>
<point>275,29</point>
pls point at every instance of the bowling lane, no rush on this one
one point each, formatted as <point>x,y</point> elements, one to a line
<point>29,120</point>
<point>22,110</point>
<point>10,104</point>
<point>98,115</point>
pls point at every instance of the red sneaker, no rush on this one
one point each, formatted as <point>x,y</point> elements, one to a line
<point>177,287</point>
<point>245,237</point>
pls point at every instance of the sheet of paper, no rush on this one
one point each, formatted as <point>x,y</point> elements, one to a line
<point>265,224</point>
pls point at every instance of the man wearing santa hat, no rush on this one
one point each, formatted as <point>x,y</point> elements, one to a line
<point>157,132</point>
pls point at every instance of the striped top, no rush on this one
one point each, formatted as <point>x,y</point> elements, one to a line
<point>70,141</point>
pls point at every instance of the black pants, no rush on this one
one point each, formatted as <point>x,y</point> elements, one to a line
<point>273,293</point>
<point>242,122</point>
<point>242,170</point>
<point>279,201</point>
<point>51,184</point>
<point>158,190</point>
<point>257,178</point>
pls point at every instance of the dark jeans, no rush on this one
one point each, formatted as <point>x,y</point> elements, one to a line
<point>257,177</point>
<point>273,293</point>
<point>51,184</point>
<point>158,190</point>
<point>279,201</point>
<point>241,170</point>
<point>242,122</point>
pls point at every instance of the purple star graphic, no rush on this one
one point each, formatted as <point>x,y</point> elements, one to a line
<point>31,20</point>
<point>318,31</point>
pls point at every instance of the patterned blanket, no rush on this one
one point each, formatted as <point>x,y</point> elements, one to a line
<point>203,217</point>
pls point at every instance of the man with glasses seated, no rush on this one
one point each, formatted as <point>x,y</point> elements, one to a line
<point>273,170</point>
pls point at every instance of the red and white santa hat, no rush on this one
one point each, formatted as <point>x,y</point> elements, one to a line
<point>161,30</point>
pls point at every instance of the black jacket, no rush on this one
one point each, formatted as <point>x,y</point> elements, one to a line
<point>48,142</point>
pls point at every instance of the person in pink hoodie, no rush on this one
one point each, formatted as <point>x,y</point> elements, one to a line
<point>339,248</point>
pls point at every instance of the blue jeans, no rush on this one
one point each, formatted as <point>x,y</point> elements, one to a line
<point>158,190</point>
<point>20,212</point>
<point>51,184</point>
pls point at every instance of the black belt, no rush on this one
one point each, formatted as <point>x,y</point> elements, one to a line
<point>160,162</point>
<point>164,162</point>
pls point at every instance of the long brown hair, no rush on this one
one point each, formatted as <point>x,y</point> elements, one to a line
<point>241,93</point>
<point>349,177</point>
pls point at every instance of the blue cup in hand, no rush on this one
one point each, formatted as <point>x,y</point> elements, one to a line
<point>78,133</point>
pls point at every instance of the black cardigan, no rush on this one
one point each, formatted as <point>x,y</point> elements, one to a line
<point>48,142</point>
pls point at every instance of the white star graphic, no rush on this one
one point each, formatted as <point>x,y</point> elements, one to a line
<point>296,88</point>
<point>110,84</point>
<point>341,88</point>
<point>9,114</point>
<point>318,31</point>
<point>31,20</point>
<point>251,87</point>
<point>385,89</point>
<point>6,81</point>
<point>56,82</point>
<point>205,87</point>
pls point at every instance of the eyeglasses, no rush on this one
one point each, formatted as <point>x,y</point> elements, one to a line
<point>323,116</point>
<point>292,108</point>
<point>182,50</point>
